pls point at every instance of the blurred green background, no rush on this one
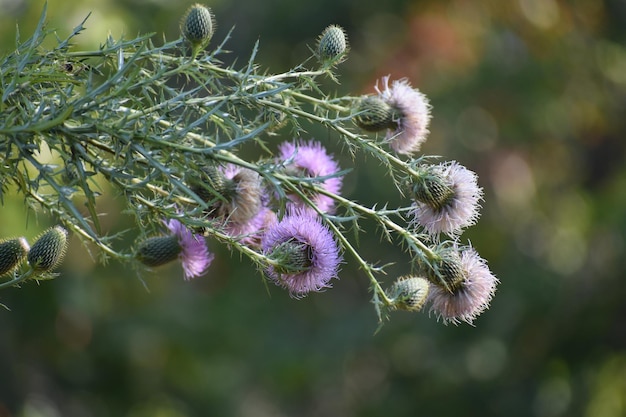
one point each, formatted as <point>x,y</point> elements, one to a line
<point>530,94</point>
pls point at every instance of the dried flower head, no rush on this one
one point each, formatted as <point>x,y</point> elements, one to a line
<point>447,198</point>
<point>243,195</point>
<point>12,253</point>
<point>469,298</point>
<point>180,244</point>
<point>306,254</point>
<point>413,118</point>
<point>310,160</point>
<point>48,250</point>
<point>408,293</point>
<point>250,232</point>
<point>332,44</point>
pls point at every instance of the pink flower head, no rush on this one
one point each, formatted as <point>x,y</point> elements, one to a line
<point>414,115</point>
<point>310,159</point>
<point>471,297</point>
<point>194,255</point>
<point>460,210</point>
<point>315,243</point>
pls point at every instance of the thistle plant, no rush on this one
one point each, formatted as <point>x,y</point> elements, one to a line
<point>165,127</point>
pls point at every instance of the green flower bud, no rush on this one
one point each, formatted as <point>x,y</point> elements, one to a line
<point>374,115</point>
<point>49,249</point>
<point>12,253</point>
<point>197,27</point>
<point>408,293</point>
<point>159,250</point>
<point>332,44</point>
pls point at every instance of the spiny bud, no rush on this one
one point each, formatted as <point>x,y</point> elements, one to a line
<point>291,256</point>
<point>447,271</point>
<point>49,249</point>
<point>159,250</point>
<point>409,293</point>
<point>374,115</point>
<point>197,26</point>
<point>12,253</point>
<point>432,189</point>
<point>332,44</point>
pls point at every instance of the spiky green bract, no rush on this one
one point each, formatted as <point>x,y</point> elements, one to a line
<point>373,114</point>
<point>49,249</point>
<point>305,254</point>
<point>446,270</point>
<point>12,253</point>
<point>432,188</point>
<point>158,250</point>
<point>408,293</point>
<point>332,45</point>
<point>209,183</point>
<point>197,27</point>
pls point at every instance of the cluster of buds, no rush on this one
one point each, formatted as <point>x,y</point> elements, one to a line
<point>42,257</point>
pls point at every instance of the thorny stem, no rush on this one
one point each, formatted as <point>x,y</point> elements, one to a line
<point>141,129</point>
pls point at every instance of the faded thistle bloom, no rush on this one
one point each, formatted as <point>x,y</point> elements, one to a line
<point>180,244</point>
<point>48,250</point>
<point>12,253</point>
<point>463,286</point>
<point>236,197</point>
<point>233,193</point>
<point>243,194</point>
<point>310,160</point>
<point>250,232</point>
<point>402,110</point>
<point>408,293</point>
<point>305,252</point>
<point>332,44</point>
<point>446,198</point>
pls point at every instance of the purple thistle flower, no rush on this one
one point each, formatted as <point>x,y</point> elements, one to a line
<point>471,297</point>
<point>459,209</point>
<point>312,253</point>
<point>194,254</point>
<point>414,116</point>
<point>311,160</point>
